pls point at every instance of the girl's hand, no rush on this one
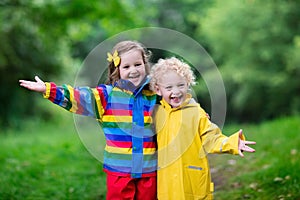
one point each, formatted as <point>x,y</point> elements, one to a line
<point>243,145</point>
<point>38,85</point>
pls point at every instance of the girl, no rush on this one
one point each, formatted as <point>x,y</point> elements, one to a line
<point>123,108</point>
<point>185,135</point>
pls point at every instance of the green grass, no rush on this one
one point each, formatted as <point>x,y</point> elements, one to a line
<point>49,161</point>
<point>272,172</point>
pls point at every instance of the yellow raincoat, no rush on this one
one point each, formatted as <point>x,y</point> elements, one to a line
<point>185,135</point>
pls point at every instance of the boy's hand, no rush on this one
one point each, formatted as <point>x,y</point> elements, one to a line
<point>38,85</point>
<point>243,145</point>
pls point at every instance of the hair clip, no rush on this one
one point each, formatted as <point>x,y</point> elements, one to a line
<point>114,58</point>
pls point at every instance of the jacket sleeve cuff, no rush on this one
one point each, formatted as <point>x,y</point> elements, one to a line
<point>233,142</point>
<point>46,95</point>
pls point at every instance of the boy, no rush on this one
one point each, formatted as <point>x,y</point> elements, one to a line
<point>185,135</point>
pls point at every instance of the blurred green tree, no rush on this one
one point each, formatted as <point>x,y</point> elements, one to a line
<point>44,37</point>
<point>256,46</point>
<point>26,48</point>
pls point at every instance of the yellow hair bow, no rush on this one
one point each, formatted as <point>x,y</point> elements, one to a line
<point>114,58</point>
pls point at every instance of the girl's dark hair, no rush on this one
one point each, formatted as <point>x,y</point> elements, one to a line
<point>121,48</point>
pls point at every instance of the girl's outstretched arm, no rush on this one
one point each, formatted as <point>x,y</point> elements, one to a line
<point>38,85</point>
<point>80,100</point>
<point>243,145</point>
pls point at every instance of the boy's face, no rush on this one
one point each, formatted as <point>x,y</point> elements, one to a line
<point>173,88</point>
<point>132,67</point>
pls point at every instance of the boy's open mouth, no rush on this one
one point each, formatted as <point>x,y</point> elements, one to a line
<point>175,99</point>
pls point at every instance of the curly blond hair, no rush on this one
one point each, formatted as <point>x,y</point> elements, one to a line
<point>174,64</point>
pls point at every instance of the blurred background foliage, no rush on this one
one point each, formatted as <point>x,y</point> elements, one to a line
<point>255,44</point>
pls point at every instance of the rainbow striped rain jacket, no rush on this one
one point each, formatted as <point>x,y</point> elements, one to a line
<point>124,113</point>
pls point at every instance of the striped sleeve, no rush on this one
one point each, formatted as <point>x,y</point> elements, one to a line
<point>79,100</point>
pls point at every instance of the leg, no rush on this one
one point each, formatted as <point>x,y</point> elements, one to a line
<point>146,188</point>
<point>120,188</point>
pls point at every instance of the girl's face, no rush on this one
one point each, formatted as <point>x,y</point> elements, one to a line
<point>132,67</point>
<point>173,88</point>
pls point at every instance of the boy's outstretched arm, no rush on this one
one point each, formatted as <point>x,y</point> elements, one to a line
<point>243,145</point>
<point>38,85</point>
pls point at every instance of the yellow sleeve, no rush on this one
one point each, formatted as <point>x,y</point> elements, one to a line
<point>213,140</point>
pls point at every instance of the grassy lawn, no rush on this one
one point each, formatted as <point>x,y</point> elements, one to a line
<point>44,161</point>
<point>49,161</point>
<point>270,173</point>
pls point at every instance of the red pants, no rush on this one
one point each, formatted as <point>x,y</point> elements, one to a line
<point>126,188</point>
